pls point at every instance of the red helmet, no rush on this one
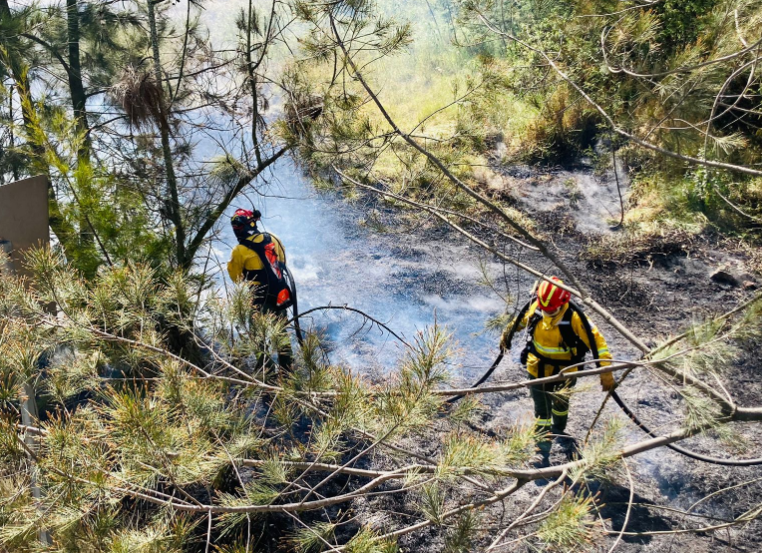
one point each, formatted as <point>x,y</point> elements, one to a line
<point>241,217</point>
<point>243,220</point>
<point>550,297</point>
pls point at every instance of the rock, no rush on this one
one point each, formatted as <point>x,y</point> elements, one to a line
<point>721,276</point>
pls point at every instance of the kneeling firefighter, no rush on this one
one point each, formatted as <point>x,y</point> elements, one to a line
<point>260,260</point>
<point>558,335</point>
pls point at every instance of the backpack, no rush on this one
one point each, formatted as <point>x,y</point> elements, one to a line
<point>277,292</point>
<point>569,339</point>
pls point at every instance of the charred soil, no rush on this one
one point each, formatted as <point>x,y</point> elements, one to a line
<point>657,286</point>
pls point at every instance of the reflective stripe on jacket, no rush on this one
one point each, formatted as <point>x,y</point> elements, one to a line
<point>549,342</point>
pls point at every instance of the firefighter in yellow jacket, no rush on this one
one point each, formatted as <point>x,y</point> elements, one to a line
<point>260,260</point>
<point>558,335</point>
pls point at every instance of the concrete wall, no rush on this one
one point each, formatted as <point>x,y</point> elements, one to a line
<point>24,216</point>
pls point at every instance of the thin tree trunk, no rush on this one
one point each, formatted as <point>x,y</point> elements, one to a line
<point>253,84</point>
<point>15,167</point>
<point>173,204</point>
<point>76,86</point>
<point>79,104</point>
<point>183,56</point>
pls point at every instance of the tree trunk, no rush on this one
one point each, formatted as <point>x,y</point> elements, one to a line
<point>173,204</point>
<point>76,86</point>
<point>252,84</point>
<point>79,104</point>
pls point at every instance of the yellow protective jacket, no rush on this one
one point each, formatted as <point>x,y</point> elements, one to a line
<point>549,343</point>
<point>244,259</point>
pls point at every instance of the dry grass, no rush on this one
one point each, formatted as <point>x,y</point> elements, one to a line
<point>639,246</point>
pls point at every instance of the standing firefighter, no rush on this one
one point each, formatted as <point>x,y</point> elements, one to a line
<point>260,260</point>
<point>558,335</point>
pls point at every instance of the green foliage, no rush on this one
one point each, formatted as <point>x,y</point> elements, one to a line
<point>701,414</point>
<point>684,22</point>
<point>460,538</point>
<point>466,410</point>
<point>571,526</point>
<point>170,431</point>
<point>600,455</point>
<point>476,454</point>
<point>650,69</point>
<point>366,541</point>
<point>201,434</point>
<point>431,501</point>
<point>313,539</point>
<point>78,71</point>
<point>711,348</point>
<point>113,217</point>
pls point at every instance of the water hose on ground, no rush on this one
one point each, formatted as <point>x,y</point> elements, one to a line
<point>483,379</point>
<point>634,418</point>
<point>619,401</point>
<point>692,454</point>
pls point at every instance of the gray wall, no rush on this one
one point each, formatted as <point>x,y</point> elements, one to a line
<point>24,216</point>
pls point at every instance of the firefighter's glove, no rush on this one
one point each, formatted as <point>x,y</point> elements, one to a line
<point>505,341</point>
<point>607,382</point>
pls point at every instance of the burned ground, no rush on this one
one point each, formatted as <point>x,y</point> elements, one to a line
<point>658,287</point>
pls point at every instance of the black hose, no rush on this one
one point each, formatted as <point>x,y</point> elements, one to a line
<point>633,417</point>
<point>627,411</point>
<point>677,448</point>
<point>514,328</point>
<point>483,379</point>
